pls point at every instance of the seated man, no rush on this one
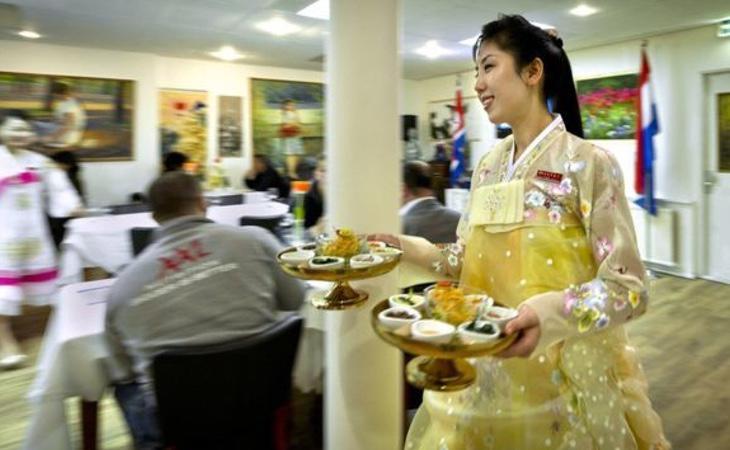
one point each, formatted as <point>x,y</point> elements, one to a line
<point>263,176</point>
<point>198,283</point>
<point>422,214</point>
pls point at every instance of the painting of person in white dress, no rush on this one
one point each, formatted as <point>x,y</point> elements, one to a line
<point>69,118</point>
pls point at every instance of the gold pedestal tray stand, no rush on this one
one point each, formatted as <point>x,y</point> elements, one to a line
<point>441,367</point>
<point>342,295</point>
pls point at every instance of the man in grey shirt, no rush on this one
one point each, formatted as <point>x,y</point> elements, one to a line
<point>422,214</point>
<point>198,283</point>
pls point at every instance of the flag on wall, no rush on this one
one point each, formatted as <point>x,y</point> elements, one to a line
<point>458,138</point>
<point>647,125</point>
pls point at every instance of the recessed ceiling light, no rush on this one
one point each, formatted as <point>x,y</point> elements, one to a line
<point>278,27</point>
<point>470,41</point>
<point>317,10</point>
<point>583,10</point>
<point>227,53</point>
<point>28,34</point>
<point>432,50</point>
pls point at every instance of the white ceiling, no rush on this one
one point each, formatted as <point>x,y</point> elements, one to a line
<point>191,28</point>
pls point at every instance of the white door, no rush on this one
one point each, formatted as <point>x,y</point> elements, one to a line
<point>717,178</point>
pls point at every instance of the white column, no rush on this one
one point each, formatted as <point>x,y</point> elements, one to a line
<point>363,393</point>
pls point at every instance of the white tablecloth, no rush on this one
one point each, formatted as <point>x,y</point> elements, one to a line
<point>75,361</point>
<point>105,241</point>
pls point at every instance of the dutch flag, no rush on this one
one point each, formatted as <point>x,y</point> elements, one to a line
<point>647,125</point>
<point>458,138</point>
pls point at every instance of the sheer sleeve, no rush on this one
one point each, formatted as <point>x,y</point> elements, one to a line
<point>618,292</point>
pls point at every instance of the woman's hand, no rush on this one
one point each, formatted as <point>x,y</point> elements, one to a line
<point>527,325</point>
<point>389,239</point>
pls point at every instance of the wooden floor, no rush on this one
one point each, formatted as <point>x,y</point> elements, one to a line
<point>684,342</point>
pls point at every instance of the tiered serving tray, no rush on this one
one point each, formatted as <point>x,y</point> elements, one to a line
<point>439,366</point>
<point>342,295</point>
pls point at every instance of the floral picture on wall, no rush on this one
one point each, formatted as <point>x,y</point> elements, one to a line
<point>183,125</point>
<point>287,122</point>
<point>608,106</point>
<point>91,117</point>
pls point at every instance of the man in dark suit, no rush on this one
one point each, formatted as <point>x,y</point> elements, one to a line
<point>422,214</point>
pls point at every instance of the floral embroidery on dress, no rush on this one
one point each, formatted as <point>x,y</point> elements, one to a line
<point>574,166</point>
<point>587,303</point>
<point>585,208</point>
<point>555,214</point>
<point>634,298</point>
<point>535,198</point>
<point>603,248</point>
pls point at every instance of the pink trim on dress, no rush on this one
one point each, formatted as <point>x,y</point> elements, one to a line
<point>11,278</point>
<point>26,177</point>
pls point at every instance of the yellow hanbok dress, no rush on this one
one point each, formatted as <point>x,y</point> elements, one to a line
<point>551,231</point>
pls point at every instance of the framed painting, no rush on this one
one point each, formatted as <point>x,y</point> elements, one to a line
<point>92,117</point>
<point>287,122</point>
<point>183,125</point>
<point>723,132</point>
<point>230,126</point>
<point>608,106</point>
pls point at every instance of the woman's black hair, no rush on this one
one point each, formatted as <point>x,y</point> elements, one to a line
<point>525,42</point>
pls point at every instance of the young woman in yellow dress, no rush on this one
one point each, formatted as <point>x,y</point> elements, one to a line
<point>547,230</point>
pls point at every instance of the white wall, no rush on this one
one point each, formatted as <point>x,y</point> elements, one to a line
<point>678,62</point>
<point>112,182</point>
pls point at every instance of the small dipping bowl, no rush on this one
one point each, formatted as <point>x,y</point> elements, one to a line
<point>434,331</point>
<point>326,262</point>
<point>499,315</point>
<point>365,260</point>
<point>407,300</point>
<point>297,257</point>
<point>394,318</point>
<point>479,331</point>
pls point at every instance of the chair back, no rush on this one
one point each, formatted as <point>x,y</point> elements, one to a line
<point>270,223</point>
<point>141,238</point>
<point>129,208</point>
<point>226,396</point>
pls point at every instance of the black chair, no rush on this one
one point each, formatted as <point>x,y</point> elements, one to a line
<point>270,223</point>
<point>129,208</point>
<point>141,238</point>
<point>229,396</point>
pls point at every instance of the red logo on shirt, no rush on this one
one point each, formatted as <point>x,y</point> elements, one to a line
<point>174,261</point>
<point>550,176</point>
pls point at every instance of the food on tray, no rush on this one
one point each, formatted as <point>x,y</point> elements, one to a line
<point>432,331</point>
<point>450,304</point>
<point>365,260</point>
<point>409,300</point>
<point>376,244</point>
<point>400,314</point>
<point>482,327</point>
<point>394,318</point>
<point>326,262</point>
<point>344,243</point>
<point>478,331</point>
<point>297,257</point>
<point>385,251</point>
<point>499,315</point>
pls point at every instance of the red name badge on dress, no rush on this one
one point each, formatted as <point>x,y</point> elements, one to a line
<point>550,176</point>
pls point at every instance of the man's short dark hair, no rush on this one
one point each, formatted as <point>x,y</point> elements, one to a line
<point>417,175</point>
<point>174,161</point>
<point>174,194</point>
